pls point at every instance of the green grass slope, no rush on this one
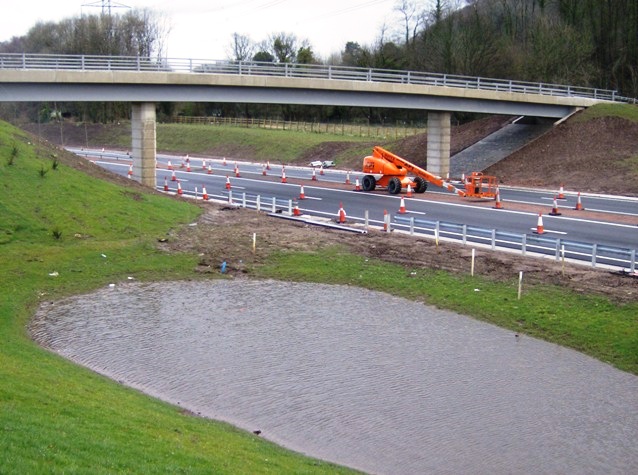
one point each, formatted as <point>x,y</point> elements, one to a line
<point>63,232</point>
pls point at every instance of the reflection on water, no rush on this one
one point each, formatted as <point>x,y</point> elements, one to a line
<point>357,377</point>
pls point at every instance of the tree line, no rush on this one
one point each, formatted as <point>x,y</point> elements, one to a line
<point>589,43</point>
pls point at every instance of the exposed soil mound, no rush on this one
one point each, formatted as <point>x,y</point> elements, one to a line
<point>599,155</point>
<point>224,234</point>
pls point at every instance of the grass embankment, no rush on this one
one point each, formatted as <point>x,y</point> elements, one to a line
<point>607,110</point>
<point>56,417</point>
<point>280,146</point>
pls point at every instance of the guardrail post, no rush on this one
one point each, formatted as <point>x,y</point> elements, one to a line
<point>523,244</point>
<point>329,72</point>
<point>437,230</point>
<point>239,69</point>
<point>594,249</point>
<point>290,207</point>
<point>258,203</point>
<point>24,61</point>
<point>369,74</point>
<point>82,62</point>
<point>366,214</point>
<point>139,63</point>
<point>493,239</point>
<point>274,204</point>
<point>243,200</point>
<point>230,196</point>
<point>464,234</point>
<point>411,225</point>
<point>632,265</point>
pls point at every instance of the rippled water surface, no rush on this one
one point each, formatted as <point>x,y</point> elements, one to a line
<point>357,377</point>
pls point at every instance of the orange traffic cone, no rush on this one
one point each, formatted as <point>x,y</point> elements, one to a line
<point>210,170</point>
<point>579,205</point>
<point>263,171</point>
<point>408,193</point>
<point>402,206</point>
<point>348,178</point>
<point>204,194</point>
<point>554,211</point>
<point>130,171</point>
<point>170,165</point>
<point>357,186</point>
<point>165,184</point>
<point>341,218</point>
<point>173,177</point>
<point>227,182</point>
<point>321,170</point>
<point>283,176</point>
<point>203,164</point>
<point>179,188</point>
<point>302,196</point>
<point>267,164</point>
<point>561,193</point>
<point>224,161</point>
<point>295,211</point>
<point>188,166</point>
<point>498,204</point>
<point>314,175</point>
<point>237,171</point>
<point>539,226</point>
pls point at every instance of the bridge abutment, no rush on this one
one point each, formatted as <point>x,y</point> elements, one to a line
<point>438,153</point>
<point>143,120</point>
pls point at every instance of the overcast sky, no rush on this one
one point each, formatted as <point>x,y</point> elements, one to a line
<point>202,29</point>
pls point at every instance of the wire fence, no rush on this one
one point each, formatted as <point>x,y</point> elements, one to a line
<point>344,129</point>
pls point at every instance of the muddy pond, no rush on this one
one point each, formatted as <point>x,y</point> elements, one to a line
<point>356,377</point>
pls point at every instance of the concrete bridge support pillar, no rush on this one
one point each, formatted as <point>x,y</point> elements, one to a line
<point>438,154</point>
<point>143,147</point>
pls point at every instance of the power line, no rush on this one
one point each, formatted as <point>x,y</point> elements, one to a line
<point>106,5</point>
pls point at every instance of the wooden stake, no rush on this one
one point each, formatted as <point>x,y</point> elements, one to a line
<point>473,257</point>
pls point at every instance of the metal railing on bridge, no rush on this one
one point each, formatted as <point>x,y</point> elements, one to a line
<point>292,70</point>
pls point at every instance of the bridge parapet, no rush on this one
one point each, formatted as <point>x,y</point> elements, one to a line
<point>10,61</point>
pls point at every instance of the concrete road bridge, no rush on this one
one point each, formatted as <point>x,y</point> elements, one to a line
<point>145,81</point>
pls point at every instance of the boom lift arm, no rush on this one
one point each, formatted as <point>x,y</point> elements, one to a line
<point>387,169</point>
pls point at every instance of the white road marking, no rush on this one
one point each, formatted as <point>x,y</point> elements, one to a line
<point>545,231</point>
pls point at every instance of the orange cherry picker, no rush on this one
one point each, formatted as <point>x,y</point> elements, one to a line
<point>385,169</point>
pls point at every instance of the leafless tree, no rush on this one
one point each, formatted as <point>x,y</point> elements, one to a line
<point>242,48</point>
